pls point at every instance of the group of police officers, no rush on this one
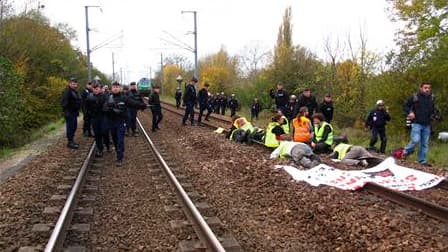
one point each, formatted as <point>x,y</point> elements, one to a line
<point>108,113</point>
<point>213,104</point>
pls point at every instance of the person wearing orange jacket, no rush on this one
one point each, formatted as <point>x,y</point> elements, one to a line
<point>301,128</point>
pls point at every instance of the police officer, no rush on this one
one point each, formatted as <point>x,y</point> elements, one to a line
<point>203,101</point>
<point>94,106</point>
<point>308,100</point>
<point>189,100</point>
<point>116,108</point>
<point>133,108</point>
<point>71,103</point>
<point>376,120</point>
<point>326,108</point>
<point>156,109</point>
<point>86,128</point>
<point>233,105</point>
<point>216,103</point>
<point>178,97</point>
<point>281,97</point>
<point>223,103</point>
<point>291,109</point>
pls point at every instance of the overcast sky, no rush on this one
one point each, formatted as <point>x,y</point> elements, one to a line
<point>232,24</point>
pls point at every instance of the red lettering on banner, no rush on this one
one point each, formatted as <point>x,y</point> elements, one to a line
<point>411,178</point>
<point>351,181</point>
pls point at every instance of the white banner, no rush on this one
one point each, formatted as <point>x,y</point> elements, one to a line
<point>387,174</point>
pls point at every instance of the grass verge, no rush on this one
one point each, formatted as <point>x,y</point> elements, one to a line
<point>37,134</point>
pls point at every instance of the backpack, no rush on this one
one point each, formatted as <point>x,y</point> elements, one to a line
<point>398,153</point>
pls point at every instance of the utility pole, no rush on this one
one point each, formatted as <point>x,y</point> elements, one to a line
<point>195,33</point>
<point>161,72</point>
<point>113,67</point>
<point>89,65</point>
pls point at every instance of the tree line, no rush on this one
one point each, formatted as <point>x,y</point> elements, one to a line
<point>354,75</point>
<point>36,60</point>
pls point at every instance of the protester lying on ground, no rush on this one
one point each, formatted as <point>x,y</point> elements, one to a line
<point>275,132</point>
<point>301,153</point>
<point>241,129</point>
<point>351,155</point>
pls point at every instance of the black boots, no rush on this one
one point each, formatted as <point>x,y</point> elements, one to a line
<point>73,145</point>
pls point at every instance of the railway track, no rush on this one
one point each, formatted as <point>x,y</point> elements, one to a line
<point>177,195</point>
<point>406,200</point>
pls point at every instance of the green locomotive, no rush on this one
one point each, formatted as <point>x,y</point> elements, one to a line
<point>144,86</point>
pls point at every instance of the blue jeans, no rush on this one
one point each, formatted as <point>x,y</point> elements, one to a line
<point>71,123</point>
<point>117,130</point>
<point>419,134</point>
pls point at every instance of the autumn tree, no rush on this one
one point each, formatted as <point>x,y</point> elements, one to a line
<point>220,70</point>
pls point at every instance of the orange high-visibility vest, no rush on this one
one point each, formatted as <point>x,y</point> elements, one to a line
<point>302,130</point>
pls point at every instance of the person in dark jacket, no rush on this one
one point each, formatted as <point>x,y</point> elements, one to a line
<point>134,95</point>
<point>376,121</point>
<point>223,103</point>
<point>216,103</point>
<point>189,100</point>
<point>71,103</point>
<point>210,106</point>
<point>203,101</point>
<point>306,99</point>
<point>281,97</point>
<point>116,106</point>
<point>178,97</point>
<point>420,109</point>
<point>94,105</point>
<point>255,109</point>
<point>87,127</point>
<point>291,110</point>
<point>326,108</point>
<point>233,105</point>
<point>156,109</point>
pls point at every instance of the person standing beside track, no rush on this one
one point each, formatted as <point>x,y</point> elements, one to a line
<point>308,100</point>
<point>178,97</point>
<point>71,103</point>
<point>189,100</point>
<point>94,105</point>
<point>156,109</point>
<point>255,110</point>
<point>203,102</point>
<point>87,126</point>
<point>233,105</point>
<point>115,106</point>
<point>420,109</point>
<point>134,95</point>
<point>376,121</point>
<point>281,97</point>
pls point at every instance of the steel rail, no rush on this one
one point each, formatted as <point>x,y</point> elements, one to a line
<point>406,200</point>
<point>200,226</point>
<point>429,208</point>
<point>59,232</point>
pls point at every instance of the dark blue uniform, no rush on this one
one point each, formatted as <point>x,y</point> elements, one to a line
<point>189,101</point>
<point>95,105</point>
<point>178,97</point>
<point>86,128</point>
<point>255,110</point>
<point>233,105</point>
<point>377,120</point>
<point>203,103</point>
<point>71,103</point>
<point>133,109</point>
<point>156,110</point>
<point>115,107</point>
